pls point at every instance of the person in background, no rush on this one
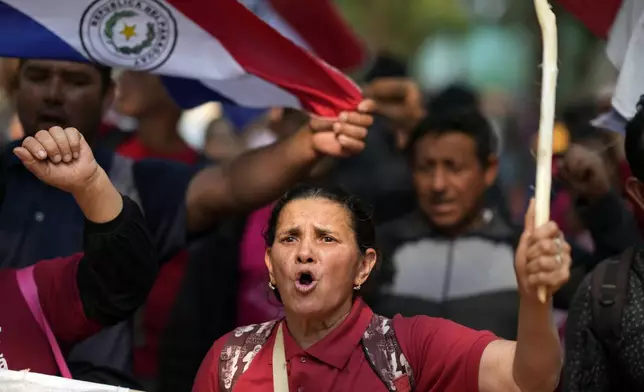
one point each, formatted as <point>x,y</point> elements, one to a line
<point>9,125</point>
<point>142,97</point>
<point>462,97</point>
<point>80,294</point>
<point>221,143</point>
<point>401,106</point>
<point>454,233</point>
<point>321,249</point>
<point>604,338</point>
<point>178,201</point>
<point>379,175</point>
<point>590,176</point>
<point>452,256</point>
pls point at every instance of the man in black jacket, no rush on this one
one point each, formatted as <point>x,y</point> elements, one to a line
<point>452,257</point>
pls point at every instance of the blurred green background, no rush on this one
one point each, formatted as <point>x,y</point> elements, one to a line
<point>494,45</point>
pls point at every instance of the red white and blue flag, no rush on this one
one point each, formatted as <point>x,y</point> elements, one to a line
<point>205,50</point>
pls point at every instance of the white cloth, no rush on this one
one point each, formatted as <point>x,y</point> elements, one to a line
<point>23,381</point>
<point>625,49</point>
<point>622,29</point>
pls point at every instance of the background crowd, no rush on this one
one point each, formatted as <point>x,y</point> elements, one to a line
<point>448,169</point>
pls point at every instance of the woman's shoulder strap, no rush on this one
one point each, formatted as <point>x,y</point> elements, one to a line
<point>240,350</point>
<point>385,355</point>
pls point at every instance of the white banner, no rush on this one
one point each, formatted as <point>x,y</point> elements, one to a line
<point>24,381</point>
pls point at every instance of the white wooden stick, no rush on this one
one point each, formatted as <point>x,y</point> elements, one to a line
<point>548,24</point>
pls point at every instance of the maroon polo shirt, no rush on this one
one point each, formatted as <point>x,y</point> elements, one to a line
<point>23,344</point>
<point>444,357</point>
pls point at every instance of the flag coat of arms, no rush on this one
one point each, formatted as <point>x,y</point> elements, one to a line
<point>204,50</point>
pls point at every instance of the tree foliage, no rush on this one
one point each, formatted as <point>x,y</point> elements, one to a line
<point>400,26</point>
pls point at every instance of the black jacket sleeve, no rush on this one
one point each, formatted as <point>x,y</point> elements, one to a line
<point>118,268</point>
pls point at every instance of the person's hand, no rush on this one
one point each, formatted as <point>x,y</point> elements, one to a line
<point>401,101</point>
<point>542,258</point>
<point>60,158</point>
<point>585,172</point>
<point>345,136</point>
<point>398,99</point>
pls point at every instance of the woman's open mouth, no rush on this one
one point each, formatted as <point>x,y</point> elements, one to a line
<point>305,282</point>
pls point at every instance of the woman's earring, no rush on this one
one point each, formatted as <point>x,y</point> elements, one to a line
<point>357,287</point>
<point>271,285</point>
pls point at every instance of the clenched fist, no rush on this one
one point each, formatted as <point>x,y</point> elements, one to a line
<point>585,172</point>
<point>60,158</point>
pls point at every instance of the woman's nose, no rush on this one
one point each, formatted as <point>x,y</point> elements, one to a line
<point>305,253</point>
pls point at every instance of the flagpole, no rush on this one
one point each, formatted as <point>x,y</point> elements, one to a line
<point>548,24</point>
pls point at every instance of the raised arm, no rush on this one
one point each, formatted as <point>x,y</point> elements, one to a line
<point>119,264</point>
<point>259,176</point>
<point>532,363</point>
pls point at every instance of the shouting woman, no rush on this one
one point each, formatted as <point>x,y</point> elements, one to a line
<point>320,252</point>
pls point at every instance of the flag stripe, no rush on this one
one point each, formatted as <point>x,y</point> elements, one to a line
<point>21,33</point>
<point>264,10</point>
<point>299,73</point>
<point>190,93</point>
<point>325,31</point>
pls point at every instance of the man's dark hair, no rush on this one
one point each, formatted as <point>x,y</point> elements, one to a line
<point>468,121</point>
<point>105,72</point>
<point>634,142</point>
<point>386,65</point>
<point>455,96</point>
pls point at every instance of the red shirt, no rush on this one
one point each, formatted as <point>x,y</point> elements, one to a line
<point>444,357</point>
<point>133,148</point>
<point>23,345</point>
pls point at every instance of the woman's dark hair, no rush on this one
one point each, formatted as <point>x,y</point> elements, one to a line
<point>361,221</point>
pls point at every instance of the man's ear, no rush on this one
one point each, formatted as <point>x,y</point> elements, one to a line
<point>108,98</point>
<point>491,171</point>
